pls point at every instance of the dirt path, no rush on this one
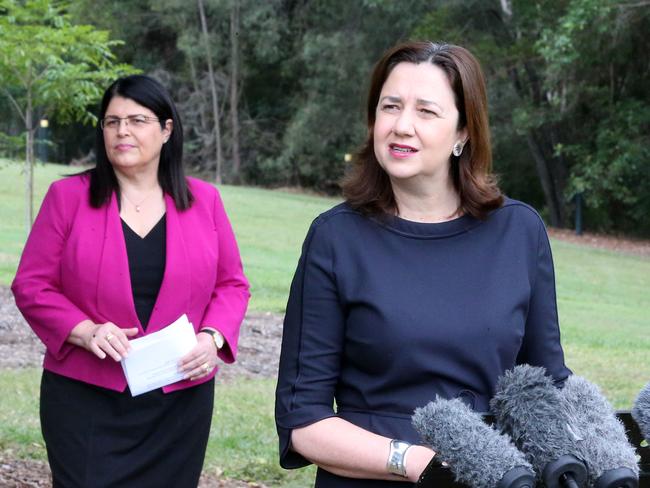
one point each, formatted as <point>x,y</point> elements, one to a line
<point>637,247</point>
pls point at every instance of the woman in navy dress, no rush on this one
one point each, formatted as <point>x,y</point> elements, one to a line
<point>426,281</point>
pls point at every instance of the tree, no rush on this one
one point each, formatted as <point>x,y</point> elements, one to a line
<point>567,82</point>
<point>245,41</point>
<point>213,91</point>
<point>335,44</point>
<point>51,68</point>
<point>503,35</point>
<point>234,89</point>
<point>598,64</point>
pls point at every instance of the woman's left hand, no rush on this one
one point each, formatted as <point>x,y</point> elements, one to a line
<point>201,360</point>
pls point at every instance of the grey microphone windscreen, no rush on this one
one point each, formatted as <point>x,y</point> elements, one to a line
<point>478,455</point>
<point>605,449</point>
<point>532,410</point>
<point>641,412</point>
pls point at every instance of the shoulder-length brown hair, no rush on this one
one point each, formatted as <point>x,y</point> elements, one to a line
<point>367,186</point>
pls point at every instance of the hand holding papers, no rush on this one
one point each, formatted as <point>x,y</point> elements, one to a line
<point>153,360</point>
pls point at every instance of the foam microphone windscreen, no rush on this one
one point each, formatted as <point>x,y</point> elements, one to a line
<point>641,412</point>
<point>609,456</point>
<point>531,409</point>
<point>477,455</point>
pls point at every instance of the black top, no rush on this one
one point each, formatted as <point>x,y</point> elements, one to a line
<point>385,314</point>
<point>146,266</point>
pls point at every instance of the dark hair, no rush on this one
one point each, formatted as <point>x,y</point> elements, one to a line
<point>149,93</point>
<point>367,186</point>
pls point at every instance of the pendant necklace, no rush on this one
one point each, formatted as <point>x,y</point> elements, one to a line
<point>137,206</point>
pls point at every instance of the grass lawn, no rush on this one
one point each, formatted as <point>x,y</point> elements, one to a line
<point>242,443</point>
<point>270,227</point>
<point>604,306</point>
<point>12,210</point>
<point>603,301</point>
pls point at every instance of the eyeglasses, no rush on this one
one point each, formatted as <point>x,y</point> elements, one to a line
<point>133,121</point>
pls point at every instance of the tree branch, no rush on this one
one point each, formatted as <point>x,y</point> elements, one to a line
<point>640,4</point>
<point>16,106</point>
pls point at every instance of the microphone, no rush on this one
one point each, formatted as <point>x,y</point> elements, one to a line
<point>610,459</point>
<point>527,406</point>
<point>477,455</point>
<point>641,412</point>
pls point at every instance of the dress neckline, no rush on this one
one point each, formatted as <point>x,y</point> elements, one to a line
<point>425,229</point>
<point>128,228</point>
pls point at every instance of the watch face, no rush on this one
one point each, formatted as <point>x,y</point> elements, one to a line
<point>217,338</point>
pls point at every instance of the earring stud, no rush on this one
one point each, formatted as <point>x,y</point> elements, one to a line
<point>458,149</point>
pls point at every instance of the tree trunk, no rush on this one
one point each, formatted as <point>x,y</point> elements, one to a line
<point>555,208</point>
<point>560,171</point>
<point>506,8</point>
<point>213,90</point>
<point>234,92</point>
<point>29,165</point>
<point>552,174</point>
<point>197,89</point>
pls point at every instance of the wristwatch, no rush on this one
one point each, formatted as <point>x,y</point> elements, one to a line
<point>396,463</point>
<point>217,338</point>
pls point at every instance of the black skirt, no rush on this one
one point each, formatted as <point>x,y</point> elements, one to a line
<point>100,438</point>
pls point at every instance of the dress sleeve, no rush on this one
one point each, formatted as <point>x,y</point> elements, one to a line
<point>541,345</point>
<point>37,285</point>
<point>312,342</point>
<point>230,296</point>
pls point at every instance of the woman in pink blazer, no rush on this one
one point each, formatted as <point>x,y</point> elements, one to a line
<point>119,252</point>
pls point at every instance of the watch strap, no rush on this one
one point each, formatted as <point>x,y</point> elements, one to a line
<point>217,338</point>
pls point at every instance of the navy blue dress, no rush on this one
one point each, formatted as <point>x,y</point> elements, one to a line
<point>384,314</point>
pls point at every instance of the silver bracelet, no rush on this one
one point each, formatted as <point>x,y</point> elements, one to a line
<point>396,463</point>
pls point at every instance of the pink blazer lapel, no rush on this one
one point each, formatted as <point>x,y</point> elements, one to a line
<point>174,295</point>
<point>114,295</point>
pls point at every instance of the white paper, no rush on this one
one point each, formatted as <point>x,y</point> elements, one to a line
<point>153,360</point>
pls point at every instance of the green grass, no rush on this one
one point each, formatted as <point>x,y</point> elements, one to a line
<point>270,227</point>
<point>603,301</point>
<point>242,443</point>
<point>12,209</point>
<point>604,306</point>
<point>19,420</point>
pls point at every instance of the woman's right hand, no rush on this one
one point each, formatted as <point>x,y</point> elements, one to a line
<point>102,339</point>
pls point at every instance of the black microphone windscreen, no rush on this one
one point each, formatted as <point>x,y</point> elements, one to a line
<point>641,412</point>
<point>478,455</point>
<point>532,410</point>
<point>605,447</point>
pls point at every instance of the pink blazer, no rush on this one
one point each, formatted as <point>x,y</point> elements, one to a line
<point>75,267</point>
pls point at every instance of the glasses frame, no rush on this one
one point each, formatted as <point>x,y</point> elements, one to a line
<point>147,120</point>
